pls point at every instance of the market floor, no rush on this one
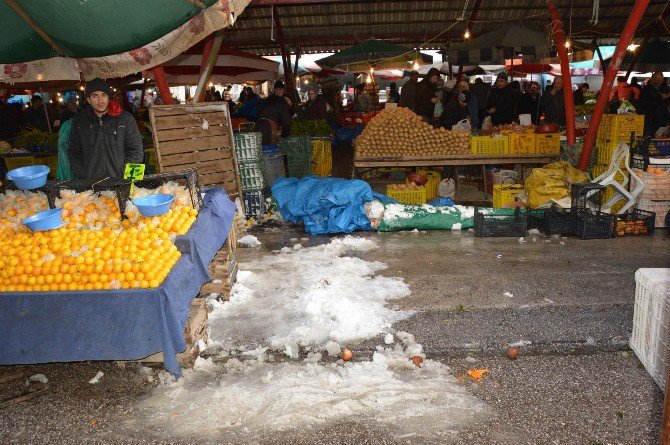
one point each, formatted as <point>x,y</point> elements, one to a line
<point>568,302</point>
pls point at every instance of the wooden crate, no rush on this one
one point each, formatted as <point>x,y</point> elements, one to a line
<point>196,329</point>
<point>197,136</point>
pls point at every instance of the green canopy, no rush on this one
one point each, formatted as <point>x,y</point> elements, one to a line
<point>59,39</point>
<point>376,54</point>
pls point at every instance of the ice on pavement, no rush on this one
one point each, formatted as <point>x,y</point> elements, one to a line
<point>315,300</point>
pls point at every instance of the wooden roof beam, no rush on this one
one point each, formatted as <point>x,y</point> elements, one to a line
<point>26,18</point>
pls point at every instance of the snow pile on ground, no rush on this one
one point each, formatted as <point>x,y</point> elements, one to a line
<point>278,341</point>
<point>248,241</point>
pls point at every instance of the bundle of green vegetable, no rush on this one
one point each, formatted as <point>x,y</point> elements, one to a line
<point>310,128</point>
<point>36,138</point>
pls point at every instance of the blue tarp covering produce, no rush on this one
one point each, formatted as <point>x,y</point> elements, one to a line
<point>41,327</point>
<point>324,205</point>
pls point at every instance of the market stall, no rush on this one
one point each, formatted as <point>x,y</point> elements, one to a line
<point>101,287</point>
<point>397,137</point>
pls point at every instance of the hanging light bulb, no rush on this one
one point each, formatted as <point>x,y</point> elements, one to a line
<point>81,88</point>
<point>416,65</point>
<point>632,47</point>
<point>466,35</point>
<point>567,44</point>
<point>372,70</point>
<point>369,79</point>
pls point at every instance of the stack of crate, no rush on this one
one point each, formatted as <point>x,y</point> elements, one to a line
<point>251,168</point>
<point>614,129</point>
<point>223,268</point>
<point>322,157</point>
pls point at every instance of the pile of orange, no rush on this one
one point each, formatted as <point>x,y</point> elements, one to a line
<point>91,252</point>
<point>86,259</point>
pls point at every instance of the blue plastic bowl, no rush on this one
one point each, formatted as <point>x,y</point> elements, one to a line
<point>28,178</point>
<point>154,205</point>
<point>47,220</point>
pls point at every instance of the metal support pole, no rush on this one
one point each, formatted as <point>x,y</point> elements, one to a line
<point>459,75</point>
<point>209,66</point>
<point>559,39</point>
<point>286,57</point>
<point>206,52</point>
<point>46,112</point>
<point>162,83</point>
<point>619,53</point>
<point>144,89</point>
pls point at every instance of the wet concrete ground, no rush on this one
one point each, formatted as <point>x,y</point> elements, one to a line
<point>575,383</point>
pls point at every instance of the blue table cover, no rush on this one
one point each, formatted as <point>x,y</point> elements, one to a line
<point>42,327</point>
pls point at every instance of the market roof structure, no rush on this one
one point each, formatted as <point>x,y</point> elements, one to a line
<point>69,39</point>
<point>328,26</point>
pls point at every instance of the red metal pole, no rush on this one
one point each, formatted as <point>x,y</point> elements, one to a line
<point>459,75</point>
<point>559,39</point>
<point>161,81</point>
<point>612,70</point>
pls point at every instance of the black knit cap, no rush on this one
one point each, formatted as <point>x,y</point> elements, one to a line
<point>279,84</point>
<point>97,84</point>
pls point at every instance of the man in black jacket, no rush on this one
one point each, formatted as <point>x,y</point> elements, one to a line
<point>553,103</point>
<point>425,95</point>
<point>456,110</point>
<point>273,113</point>
<point>104,138</point>
<point>501,102</point>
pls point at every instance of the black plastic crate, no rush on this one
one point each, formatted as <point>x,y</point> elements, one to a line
<point>119,186</point>
<point>500,224</point>
<point>560,221</point>
<point>586,195</point>
<point>185,178</point>
<point>254,204</point>
<point>595,225</point>
<point>634,223</point>
<point>537,219</point>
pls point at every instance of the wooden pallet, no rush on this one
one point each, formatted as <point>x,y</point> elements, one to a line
<point>223,268</point>
<point>197,136</point>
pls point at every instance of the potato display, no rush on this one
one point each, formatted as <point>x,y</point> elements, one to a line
<point>398,132</point>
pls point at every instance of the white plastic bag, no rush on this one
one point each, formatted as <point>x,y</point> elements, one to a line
<point>486,123</point>
<point>463,125</point>
<point>447,188</point>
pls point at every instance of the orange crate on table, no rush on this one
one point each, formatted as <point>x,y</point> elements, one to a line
<point>521,143</point>
<point>417,196</point>
<point>487,145</point>
<point>549,144</point>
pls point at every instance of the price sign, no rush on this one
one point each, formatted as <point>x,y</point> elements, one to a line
<point>134,172</point>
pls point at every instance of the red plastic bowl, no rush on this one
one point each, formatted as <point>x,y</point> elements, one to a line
<point>544,129</point>
<point>417,178</point>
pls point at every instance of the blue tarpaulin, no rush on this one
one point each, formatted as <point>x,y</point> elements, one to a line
<point>42,327</point>
<point>324,205</point>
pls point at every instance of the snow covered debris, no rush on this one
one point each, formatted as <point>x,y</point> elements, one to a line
<point>38,378</point>
<point>249,241</point>
<point>97,378</point>
<point>301,304</point>
<point>508,294</point>
<point>520,343</point>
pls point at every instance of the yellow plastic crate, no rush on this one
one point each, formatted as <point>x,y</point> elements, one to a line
<point>504,193</point>
<point>323,169</point>
<point>521,143</point>
<point>18,162</point>
<point>433,183</point>
<point>321,151</point>
<point>49,161</point>
<point>487,145</point>
<point>407,196</point>
<point>599,169</point>
<point>549,144</point>
<point>605,150</point>
<point>618,127</point>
